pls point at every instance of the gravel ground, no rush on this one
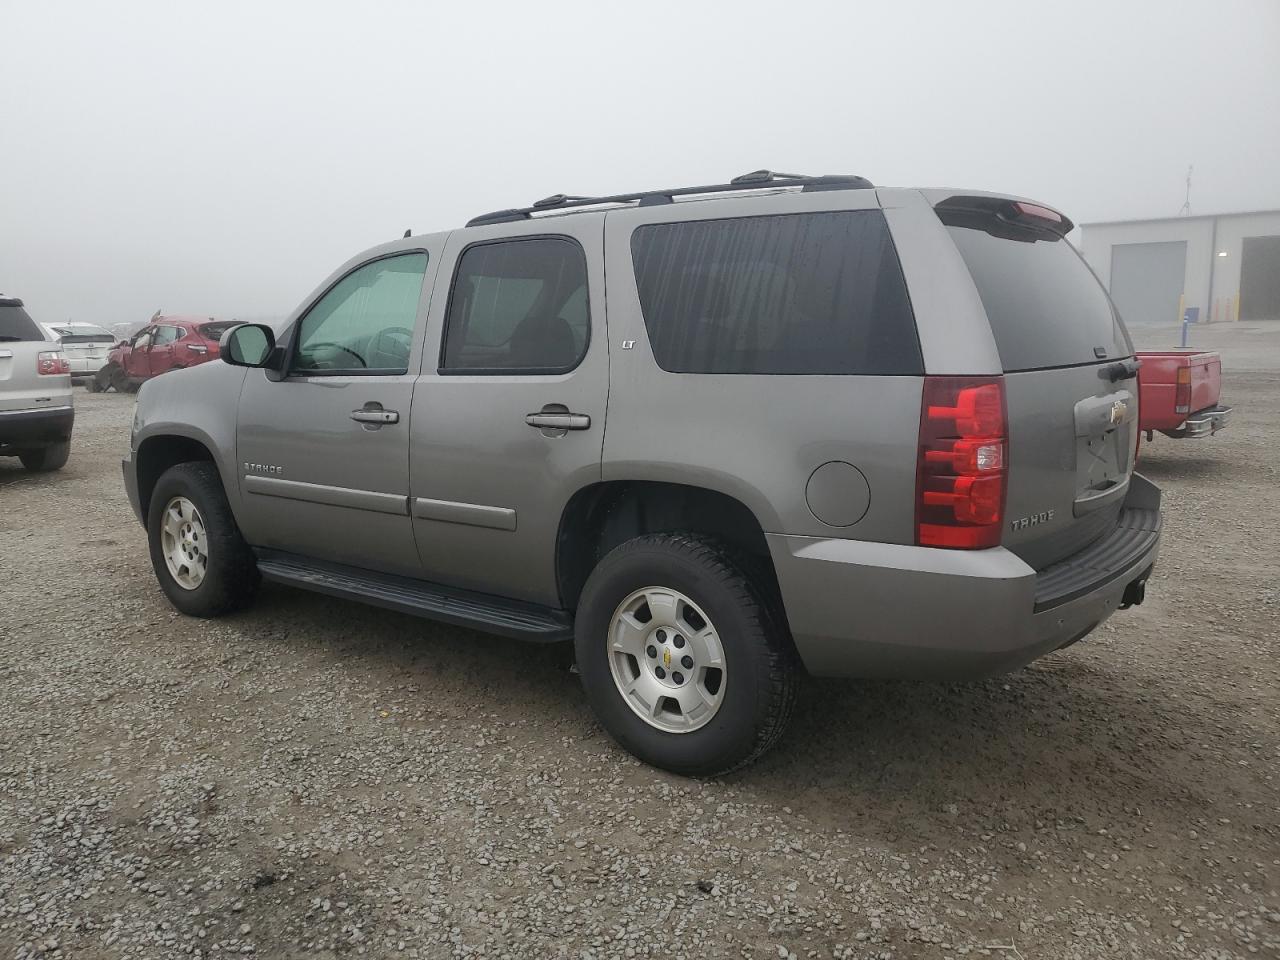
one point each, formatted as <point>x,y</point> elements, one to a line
<point>314,778</point>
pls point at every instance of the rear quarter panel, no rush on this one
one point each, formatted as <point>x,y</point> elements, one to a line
<point>756,438</point>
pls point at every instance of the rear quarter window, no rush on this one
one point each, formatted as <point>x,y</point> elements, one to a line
<point>1045,306</point>
<point>814,293</point>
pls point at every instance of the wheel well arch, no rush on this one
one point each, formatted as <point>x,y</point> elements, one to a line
<point>604,515</point>
<point>157,454</point>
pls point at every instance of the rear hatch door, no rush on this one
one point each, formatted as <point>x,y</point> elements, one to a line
<point>1071,385</point>
<point>21,343</point>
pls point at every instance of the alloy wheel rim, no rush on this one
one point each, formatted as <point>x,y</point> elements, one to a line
<point>184,543</point>
<point>667,660</point>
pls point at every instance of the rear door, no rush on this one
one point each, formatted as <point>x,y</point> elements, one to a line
<point>1072,400</point>
<point>509,415</point>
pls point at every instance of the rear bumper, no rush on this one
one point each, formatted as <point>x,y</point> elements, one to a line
<point>885,610</point>
<point>1206,422</point>
<point>33,428</point>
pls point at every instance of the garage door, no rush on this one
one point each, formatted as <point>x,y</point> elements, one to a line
<point>1146,281</point>
<point>1260,279</point>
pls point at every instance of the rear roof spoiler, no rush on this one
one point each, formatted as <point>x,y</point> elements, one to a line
<point>1010,210</point>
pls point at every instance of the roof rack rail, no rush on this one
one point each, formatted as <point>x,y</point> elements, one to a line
<point>755,180</point>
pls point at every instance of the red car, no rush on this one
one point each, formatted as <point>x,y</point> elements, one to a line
<point>1179,392</point>
<point>164,344</point>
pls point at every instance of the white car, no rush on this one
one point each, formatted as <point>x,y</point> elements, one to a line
<point>36,412</point>
<point>85,345</point>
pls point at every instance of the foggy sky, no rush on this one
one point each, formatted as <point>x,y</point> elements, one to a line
<point>222,158</point>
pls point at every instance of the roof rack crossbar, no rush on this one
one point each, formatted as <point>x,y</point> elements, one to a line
<point>756,180</point>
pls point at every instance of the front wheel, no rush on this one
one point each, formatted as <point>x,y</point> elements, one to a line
<point>202,563</point>
<point>683,659</point>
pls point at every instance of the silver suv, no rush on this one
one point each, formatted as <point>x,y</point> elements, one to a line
<point>714,435</point>
<point>36,412</point>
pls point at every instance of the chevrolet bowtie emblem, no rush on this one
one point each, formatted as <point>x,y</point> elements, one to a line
<point>1118,410</point>
<point>666,658</point>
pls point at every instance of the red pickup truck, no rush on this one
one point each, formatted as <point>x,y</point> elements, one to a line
<point>1178,393</point>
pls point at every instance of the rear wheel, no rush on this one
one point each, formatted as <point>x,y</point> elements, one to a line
<point>684,661</point>
<point>202,563</point>
<point>47,458</point>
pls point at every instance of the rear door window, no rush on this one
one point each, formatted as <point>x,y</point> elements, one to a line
<point>517,306</point>
<point>813,293</point>
<point>1046,307</point>
<point>15,324</point>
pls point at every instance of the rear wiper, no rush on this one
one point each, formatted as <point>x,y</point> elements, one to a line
<point>5,338</point>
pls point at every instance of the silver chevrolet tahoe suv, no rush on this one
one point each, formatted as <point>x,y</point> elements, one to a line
<point>717,436</point>
<point>36,410</point>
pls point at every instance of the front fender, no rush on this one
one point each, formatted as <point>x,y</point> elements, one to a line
<point>196,403</point>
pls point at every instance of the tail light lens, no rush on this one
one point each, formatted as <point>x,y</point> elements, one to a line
<point>1182,391</point>
<point>963,466</point>
<point>51,364</point>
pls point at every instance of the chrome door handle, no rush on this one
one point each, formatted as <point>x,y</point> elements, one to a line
<point>375,416</point>
<point>558,421</point>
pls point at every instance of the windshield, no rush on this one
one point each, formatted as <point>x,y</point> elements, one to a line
<point>15,324</point>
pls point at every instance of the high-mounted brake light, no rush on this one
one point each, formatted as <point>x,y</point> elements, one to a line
<point>963,465</point>
<point>51,364</point>
<point>1182,391</point>
<point>1035,210</point>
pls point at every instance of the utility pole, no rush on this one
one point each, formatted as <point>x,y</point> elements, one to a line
<point>1185,209</point>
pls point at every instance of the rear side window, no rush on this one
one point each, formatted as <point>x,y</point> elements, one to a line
<point>812,293</point>
<point>1046,307</point>
<point>517,306</point>
<point>15,324</point>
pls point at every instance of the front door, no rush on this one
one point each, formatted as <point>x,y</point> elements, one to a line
<point>508,418</point>
<point>323,452</point>
<point>135,358</point>
<point>160,357</point>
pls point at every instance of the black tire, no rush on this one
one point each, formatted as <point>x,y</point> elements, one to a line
<point>762,672</point>
<point>93,385</point>
<point>48,458</point>
<point>231,577</point>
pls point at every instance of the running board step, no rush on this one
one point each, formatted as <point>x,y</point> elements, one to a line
<point>481,611</point>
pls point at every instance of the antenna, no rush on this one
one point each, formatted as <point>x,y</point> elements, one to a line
<point>1185,209</point>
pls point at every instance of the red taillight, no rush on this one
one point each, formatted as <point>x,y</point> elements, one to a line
<point>963,463</point>
<point>52,364</point>
<point>1182,391</point>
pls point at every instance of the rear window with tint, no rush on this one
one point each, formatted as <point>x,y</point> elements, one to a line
<point>813,293</point>
<point>15,324</point>
<point>1046,307</point>
<point>215,330</point>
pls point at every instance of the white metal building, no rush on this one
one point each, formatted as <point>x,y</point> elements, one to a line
<point>1226,266</point>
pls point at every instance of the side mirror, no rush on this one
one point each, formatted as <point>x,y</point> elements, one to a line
<point>248,345</point>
